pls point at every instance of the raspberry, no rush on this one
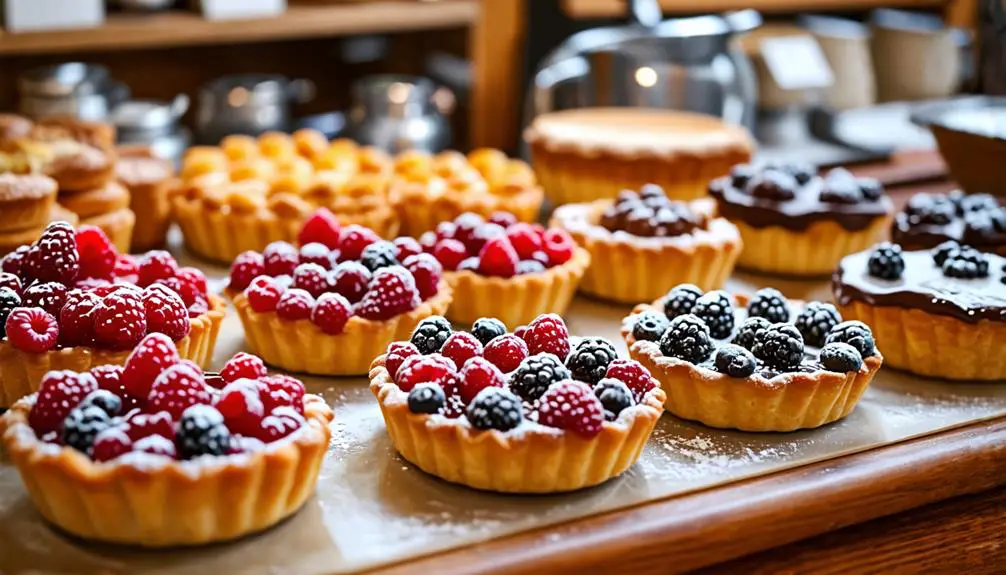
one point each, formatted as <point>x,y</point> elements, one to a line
<point>615,397</point>
<point>112,442</point>
<point>165,312</point>
<point>193,277</point>
<point>152,356</point>
<point>420,368</point>
<point>391,292</point>
<point>855,333</point>
<point>477,375</point>
<point>548,334</point>
<point>49,296</point>
<point>156,445</point>
<point>482,235</point>
<point>155,265</point>
<point>590,359</point>
<point>120,321</point>
<point>350,280</point>
<point>465,228</point>
<point>379,255</point>
<point>649,326</point>
<point>318,254</point>
<point>506,352</point>
<point>245,268</point>
<point>11,282</point>
<point>427,398</point>
<point>321,227</point>
<point>295,304</point>
<point>176,389</point>
<point>109,378</point>
<point>8,302</point>
<point>426,271</point>
<point>109,289</point>
<point>716,310</point>
<point>243,365</point>
<point>279,258</point>
<point>680,300</point>
<point>460,347</point>
<point>841,358</point>
<point>735,361</point>
<point>498,258</point>
<point>431,334</point>
<point>97,254</point>
<point>76,319</point>
<point>54,257</point>
<point>469,264</point>
<point>524,239</point>
<point>749,330</point>
<point>90,284</point>
<point>496,409</point>
<point>311,278</point>
<point>241,406</point>
<point>353,239</point>
<point>280,424</point>
<point>141,425</point>
<point>446,230</point>
<point>450,253</point>
<point>126,266</point>
<point>815,321</point>
<point>398,352</point>
<point>263,295</point>
<point>633,374</point>
<point>13,262</point>
<point>405,247</point>
<point>427,241</point>
<point>572,406</point>
<point>201,431</point>
<point>770,304</point>
<point>559,246</point>
<point>687,339</point>
<point>32,329</point>
<point>281,391</point>
<point>81,426</point>
<point>503,219</point>
<point>58,393</point>
<point>780,346</point>
<point>199,307</point>
<point>331,313</point>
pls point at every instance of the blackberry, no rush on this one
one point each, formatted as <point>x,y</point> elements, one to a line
<point>735,361</point>
<point>773,184</point>
<point>82,425</point>
<point>943,250</point>
<point>840,187</point>
<point>649,326</point>
<point>840,357</point>
<point>486,328</point>
<point>8,301</point>
<point>495,408</point>
<point>815,321</point>
<point>104,399</point>
<point>886,262</point>
<point>590,358</point>
<point>379,255</point>
<point>749,330</point>
<point>431,333</point>
<point>740,174</point>
<point>930,209</point>
<point>855,333</point>
<point>715,309</point>
<point>687,338</point>
<point>984,225</point>
<point>525,267</point>
<point>802,172</point>
<point>977,203</point>
<point>871,188</point>
<point>780,346</point>
<point>201,431</point>
<point>536,374</point>
<point>427,398</point>
<point>651,192</point>
<point>615,397</point>
<point>770,304</point>
<point>966,263</point>
<point>680,300</point>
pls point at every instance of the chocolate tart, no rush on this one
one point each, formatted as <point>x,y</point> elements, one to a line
<point>978,220</point>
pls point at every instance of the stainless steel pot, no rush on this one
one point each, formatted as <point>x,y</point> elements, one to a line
<point>155,124</point>
<point>248,104</point>
<point>75,89</point>
<point>398,113</point>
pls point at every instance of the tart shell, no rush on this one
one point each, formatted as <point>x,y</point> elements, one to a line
<point>170,504</point>
<point>419,213</point>
<point>540,460</point>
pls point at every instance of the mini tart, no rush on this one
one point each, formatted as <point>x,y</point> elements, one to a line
<point>537,459</point>
<point>10,241</point>
<point>148,179</point>
<point>106,207</point>
<point>152,502</point>
<point>25,201</point>
<point>302,347</point>
<point>14,127</point>
<point>626,268</point>
<point>977,220</point>
<point>21,372</point>
<point>593,153</point>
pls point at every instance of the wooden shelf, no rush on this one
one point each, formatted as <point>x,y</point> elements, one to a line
<point>616,8</point>
<point>128,31</point>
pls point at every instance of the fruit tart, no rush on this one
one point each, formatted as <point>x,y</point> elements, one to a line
<point>332,304</point>
<point>642,244</point>
<point>763,363</point>
<point>70,301</point>
<point>928,220</point>
<point>795,222</point>
<point>158,453</point>
<point>939,312</point>
<point>526,412</point>
<point>512,270</point>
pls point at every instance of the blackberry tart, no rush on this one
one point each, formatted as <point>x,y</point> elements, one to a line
<point>760,363</point>
<point>527,412</point>
<point>939,312</point>
<point>795,222</point>
<point>642,243</point>
<point>928,220</point>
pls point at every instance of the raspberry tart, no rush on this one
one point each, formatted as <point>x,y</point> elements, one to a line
<point>332,304</point>
<point>528,413</point>
<point>939,312</point>
<point>928,220</point>
<point>158,453</point>
<point>508,269</point>
<point>71,301</point>
<point>642,244</point>
<point>795,222</point>
<point>763,363</point>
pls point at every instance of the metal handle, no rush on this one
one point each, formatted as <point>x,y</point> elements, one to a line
<point>179,105</point>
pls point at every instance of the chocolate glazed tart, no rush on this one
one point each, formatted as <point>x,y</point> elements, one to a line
<point>927,323</point>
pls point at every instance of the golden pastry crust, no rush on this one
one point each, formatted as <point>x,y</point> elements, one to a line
<point>10,241</point>
<point>108,198</point>
<point>25,201</point>
<point>629,269</point>
<point>155,502</point>
<point>534,460</point>
<point>148,180</point>
<point>14,127</point>
<point>98,134</point>
<point>79,167</point>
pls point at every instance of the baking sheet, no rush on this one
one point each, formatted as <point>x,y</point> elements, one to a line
<point>372,508</point>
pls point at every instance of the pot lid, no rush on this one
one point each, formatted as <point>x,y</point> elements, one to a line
<point>149,114</point>
<point>71,78</point>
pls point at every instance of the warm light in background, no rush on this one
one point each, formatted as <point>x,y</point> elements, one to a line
<point>646,77</point>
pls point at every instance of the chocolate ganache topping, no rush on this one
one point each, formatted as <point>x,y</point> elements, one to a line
<point>795,196</point>
<point>930,219</point>
<point>949,280</point>
<point>650,213</point>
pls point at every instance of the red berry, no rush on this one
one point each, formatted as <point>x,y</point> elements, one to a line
<point>177,388</point>
<point>97,254</point>
<point>451,384</point>
<point>263,295</point>
<point>353,239</point>
<point>245,268</point>
<point>241,406</point>
<point>427,241</point>
<point>126,265</point>
<point>331,313</point>
<point>165,312</point>
<point>156,445</point>
<point>199,307</point>
<point>321,227</point>
<point>426,271</point>
<point>109,378</point>
<point>109,289</point>
<point>465,227</point>
<point>184,290</point>
<point>498,258</point>
<point>446,230</point>
<point>58,393</point>
<point>548,334</point>
<point>391,292</point>
<point>477,375</point>
<point>142,425</point>
<point>460,347</point>
<point>295,304</point>
<point>572,406</point>
<point>111,443</point>
<point>504,219</point>
<point>524,239</point>
<point>10,281</point>
<point>90,284</point>
<point>152,356</point>
<point>506,352</point>
<point>316,253</point>
<point>54,257</point>
<point>49,296</point>
<point>120,322</point>
<point>280,258</point>
<point>281,391</point>
<point>450,253</point>
<point>350,280</point>
<point>406,247</point>
<point>311,278</point>
<point>193,277</point>
<point>155,265</point>
<point>398,352</point>
<point>32,329</point>
<point>632,374</point>
<point>13,262</point>
<point>243,365</point>
<point>76,319</point>
<point>520,332</point>
<point>482,235</point>
<point>559,246</point>
<point>282,422</point>
<point>417,369</point>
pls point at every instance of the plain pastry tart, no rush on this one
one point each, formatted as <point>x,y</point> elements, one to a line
<point>510,270</point>
<point>642,244</point>
<point>797,223</point>
<point>70,301</point>
<point>148,180</point>
<point>159,454</point>
<point>758,364</point>
<point>928,220</point>
<point>427,190</point>
<point>938,312</point>
<point>250,192</point>
<point>527,413</point>
<point>26,204</point>
<point>332,304</point>
<point>589,154</point>
<point>106,207</point>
